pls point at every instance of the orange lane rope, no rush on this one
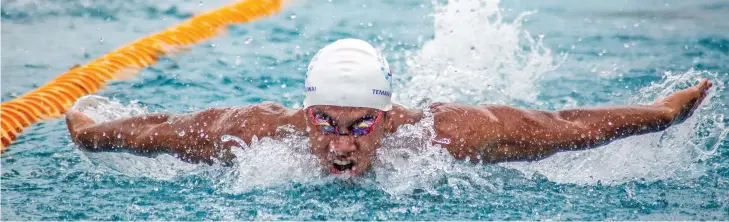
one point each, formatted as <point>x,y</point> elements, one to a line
<point>54,98</point>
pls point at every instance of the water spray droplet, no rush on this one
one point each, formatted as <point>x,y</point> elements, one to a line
<point>241,143</point>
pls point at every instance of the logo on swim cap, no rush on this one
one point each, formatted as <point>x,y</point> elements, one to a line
<point>384,67</point>
<point>388,75</point>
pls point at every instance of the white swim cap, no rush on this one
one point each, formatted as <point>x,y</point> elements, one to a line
<point>350,73</point>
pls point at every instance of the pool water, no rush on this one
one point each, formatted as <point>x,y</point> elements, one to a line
<point>525,53</point>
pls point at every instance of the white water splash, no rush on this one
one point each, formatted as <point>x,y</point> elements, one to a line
<point>102,109</point>
<point>268,162</point>
<point>476,56</point>
<point>408,161</point>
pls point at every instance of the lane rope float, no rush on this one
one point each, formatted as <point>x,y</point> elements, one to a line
<point>53,99</point>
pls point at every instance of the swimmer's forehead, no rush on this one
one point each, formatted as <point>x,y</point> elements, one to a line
<point>342,111</point>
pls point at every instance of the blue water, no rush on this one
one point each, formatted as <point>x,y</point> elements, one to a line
<point>526,53</point>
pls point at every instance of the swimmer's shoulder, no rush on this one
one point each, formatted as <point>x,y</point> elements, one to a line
<point>260,110</point>
<point>269,108</point>
<point>265,110</point>
<point>261,119</point>
<point>448,116</point>
<point>268,113</point>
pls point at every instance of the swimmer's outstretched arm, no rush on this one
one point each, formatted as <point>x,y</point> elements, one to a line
<point>502,133</point>
<point>194,137</point>
<point>144,134</point>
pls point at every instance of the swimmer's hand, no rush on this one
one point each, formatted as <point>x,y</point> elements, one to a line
<point>75,121</point>
<point>682,104</point>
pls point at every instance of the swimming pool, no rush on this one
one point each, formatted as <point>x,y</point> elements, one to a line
<point>533,54</point>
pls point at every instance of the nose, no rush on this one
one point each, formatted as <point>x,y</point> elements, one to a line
<point>343,145</point>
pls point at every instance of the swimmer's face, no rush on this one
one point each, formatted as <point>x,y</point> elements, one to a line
<point>339,136</point>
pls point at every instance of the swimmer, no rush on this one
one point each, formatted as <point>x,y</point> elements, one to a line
<point>348,110</point>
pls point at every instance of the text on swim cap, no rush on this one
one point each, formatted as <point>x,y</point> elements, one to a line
<point>381,92</point>
<point>310,89</point>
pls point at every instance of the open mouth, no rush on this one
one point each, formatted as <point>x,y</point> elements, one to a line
<point>339,166</point>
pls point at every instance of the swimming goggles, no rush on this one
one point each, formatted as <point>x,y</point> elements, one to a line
<point>362,127</point>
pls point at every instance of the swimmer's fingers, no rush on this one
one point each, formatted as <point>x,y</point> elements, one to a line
<point>695,96</point>
<point>77,116</point>
<point>76,120</point>
<point>703,90</point>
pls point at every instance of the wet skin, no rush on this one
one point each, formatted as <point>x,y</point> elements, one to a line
<point>491,133</point>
